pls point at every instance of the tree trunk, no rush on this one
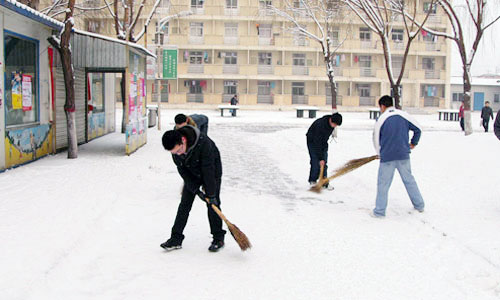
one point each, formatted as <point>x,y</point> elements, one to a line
<point>122,87</point>
<point>333,89</point>
<point>467,102</point>
<point>396,95</point>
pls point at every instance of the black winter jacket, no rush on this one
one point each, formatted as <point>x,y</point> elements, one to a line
<point>486,113</point>
<point>201,164</point>
<point>318,134</point>
<point>496,126</point>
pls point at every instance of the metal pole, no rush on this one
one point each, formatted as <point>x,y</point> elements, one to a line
<point>159,87</point>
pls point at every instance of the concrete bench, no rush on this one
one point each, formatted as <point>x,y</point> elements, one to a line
<point>232,109</point>
<point>374,113</point>
<point>448,114</point>
<point>312,111</point>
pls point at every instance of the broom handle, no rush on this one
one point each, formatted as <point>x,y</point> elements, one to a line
<point>221,215</point>
<point>321,170</point>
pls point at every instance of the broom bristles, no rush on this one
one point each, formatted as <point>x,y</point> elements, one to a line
<point>353,164</point>
<point>239,237</point>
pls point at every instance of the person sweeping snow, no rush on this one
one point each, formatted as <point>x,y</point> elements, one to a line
<point>390,138</point>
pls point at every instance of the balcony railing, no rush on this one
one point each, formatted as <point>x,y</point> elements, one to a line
<point>432,46</point>
<point>195,68</point>
<point>300,99</point>
<point>366,101</point>
<point>230,69</point>
<point>265,99</point>
<point>432,74</point>
<point>231,40</point>
<point>266,41</point>
<point>198,10</point>
<point>198,98</point>
<point>231,11</point>
<point>431,101</point>
<point>301,42</point>
<point>329,100</point>
<point>368,44</point>
<point>337,71</point>
<point>300,70</point>
<point>265,69</point>
<point>263,12</point>
<point>399,45</point>
<point>366,72</point>
<point>436,19</point>
<point>198,40</point>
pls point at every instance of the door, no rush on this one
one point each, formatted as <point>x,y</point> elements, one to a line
<point>478,101</point>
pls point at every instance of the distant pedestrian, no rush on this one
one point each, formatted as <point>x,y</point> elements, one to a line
<point>234,101</point>
<point>496,125</point>
<point>198,162</point>
<point>486,113</point>
<point>461,115</point>
<point>195,120</point>
<point>317,144</point>
<point>390,138</point>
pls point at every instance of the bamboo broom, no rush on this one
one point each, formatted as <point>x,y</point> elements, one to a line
<point>348,167</point>
<point>237,234</point>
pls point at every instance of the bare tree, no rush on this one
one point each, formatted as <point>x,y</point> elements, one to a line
<point>380,17</point>
<point>61,43</point>
<point>322,13</point>
<point>460,15</point>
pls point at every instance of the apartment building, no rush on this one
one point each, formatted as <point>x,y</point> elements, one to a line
<point>241,47</point>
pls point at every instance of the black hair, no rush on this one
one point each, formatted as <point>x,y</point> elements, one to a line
<point>385,101</point>
<point>336,118</point>
<point>180,118</point>
<point>170,139</point>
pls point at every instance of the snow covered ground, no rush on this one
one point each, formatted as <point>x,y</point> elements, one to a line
<point>90,228</point>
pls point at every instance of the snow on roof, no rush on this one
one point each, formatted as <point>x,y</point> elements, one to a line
<point>115,40</point>
<point>31,13</point>
<point>458,80</point>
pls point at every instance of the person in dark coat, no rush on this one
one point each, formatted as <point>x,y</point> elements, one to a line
<point>461,116</point>
<point>317,144</point>
<point>195,120</point>
<point>234,101</point>
<point>198,162</point>
<point>496,125</point>
<point>486,113</point>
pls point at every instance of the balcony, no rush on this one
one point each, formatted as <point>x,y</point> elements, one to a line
<point>431,101</point>
<point>266,41</point>
<point>230,69</point>
<point>196,40</point>
<point>300,99</point>
<point>429,46</point>
<point>197,10</point>
<point>265,69</point>
<point>432,74</point>
<point>231,11</point>
<point>231,40</point>
<point>329,99</point>
<point>366,101</point>
<point>265,99</point>
<point>399,45</point>
<point>368,44</point>
<point>366,72</point>
<point>198,98</point>
<point>196,68</point>
<point>301,42</point>
<point>264,12</point>
<point>434,19</point>
<point>300,70</point>
<point>337,71</point>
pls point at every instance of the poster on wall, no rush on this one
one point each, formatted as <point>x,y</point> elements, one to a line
<point>17,98</point>
<point>26,84</point>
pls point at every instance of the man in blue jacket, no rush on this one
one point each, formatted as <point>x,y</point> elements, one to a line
<point>390,138</point>
<point>317,144</point>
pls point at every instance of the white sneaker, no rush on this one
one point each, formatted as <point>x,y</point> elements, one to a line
<point>312,183</point>
<point>373,215</point>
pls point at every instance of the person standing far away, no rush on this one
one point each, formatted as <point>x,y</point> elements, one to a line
<point>198,162</point>
<point>234,101</point>
<point>196,120</point>
<point>461,115</point>
<point>317,143</point>
<point>496,125</point>
<point>486,113</point>
<point>390,138</point>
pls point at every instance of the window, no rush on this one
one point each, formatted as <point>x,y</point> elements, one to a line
<point>196,28</point>
<point>231,29</point>
<point>264,30</point>
<point>161,33</point>
<point>164,3</point>
<point>265,58</point>
<point>196,57</point>
<point>427,7</point>
<point>397,35</point>
<point>429,37</point>
<point>429,90</point>
<point>94,25</point>
<point>21,80</point>
<point>299,59</point>
<point>232,4</point>
<point>496,98</point>
<point>428,63</point>
<point>230,58</point>
<point>334,35</point>
<point>263,4</point>
<point>96,81</point>
<point>230,87</point>
<point>197,3</point>
<point>457,97</point>
<point>298,88</point>
<point>365,61</point>
<point>195,86</point>
<point>364,34</point>
<point>364,90</point>
<point>299,39</point>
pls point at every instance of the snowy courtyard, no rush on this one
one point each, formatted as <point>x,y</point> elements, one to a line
<point>90,228</point>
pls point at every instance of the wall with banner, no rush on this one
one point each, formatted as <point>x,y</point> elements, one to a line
<point>25,106</point>
<point>136,128</point>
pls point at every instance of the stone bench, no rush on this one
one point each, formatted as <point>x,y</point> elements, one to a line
<point>448,114</point>
<point>374,113</point>
<point>232,109</point>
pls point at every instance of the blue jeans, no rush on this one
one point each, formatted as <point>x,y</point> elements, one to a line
<point>385,176</point>
<point>314,161</point>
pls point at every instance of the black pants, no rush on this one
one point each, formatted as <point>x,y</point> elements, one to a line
<point>187,200</point>
<point>485,124</point>
<point>462,123</point>
<point>315,168</point>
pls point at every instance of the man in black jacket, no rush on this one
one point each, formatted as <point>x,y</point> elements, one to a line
<point>196,120</point>
<point>198,162</point>
<point>317,143</point>
<point>486,113</point>
<point>496,126</point>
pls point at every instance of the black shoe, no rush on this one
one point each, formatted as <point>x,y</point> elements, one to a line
<point>216,246</point>
<point>171,244</point>
<point>328,186</point>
